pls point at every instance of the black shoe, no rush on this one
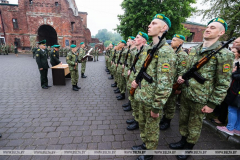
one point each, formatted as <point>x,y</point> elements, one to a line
<point>49,86</point>
<point>128,108</point>
<point>44,87</point>
<point>114,85</point>
<point>127,104</point>
<point>162,120</point>
<point>108,73</point>
<point>188,146</point>
<point>165,125</point>
<point>0,135</point>
<point>117,91</point>
<point>118,96</point>
<point>122,96</point>
<point>145,157</point>
<point>180,144</point>
<point>130,121</point>
<point>110,77</point>
<point>75,88</point>
<point>83,76</point>
<point>78,87</point>
<point>140,147</point>
<point>133,126</point>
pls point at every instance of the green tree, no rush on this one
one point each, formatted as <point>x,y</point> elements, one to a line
<point>108,37</point>
<point>229,10</point>
<point>139,13</point>
<point>106,43</point>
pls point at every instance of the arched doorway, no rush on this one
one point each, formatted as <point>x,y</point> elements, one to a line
<point>49,33</point>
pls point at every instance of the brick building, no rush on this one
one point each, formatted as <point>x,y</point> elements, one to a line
<point>196,29</point>
<point>57,21</point>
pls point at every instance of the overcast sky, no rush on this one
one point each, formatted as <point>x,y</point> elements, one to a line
<point>103,13</point>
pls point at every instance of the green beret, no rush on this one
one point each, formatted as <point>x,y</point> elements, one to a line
<point>56,46</point>
<point>163,18</point>
<point>220,20</point>
<point>42,42</point>
<point>144,35</point>
<point>179,36</point>
<point>81,43</point>
<point>123,41</point>
<point>73,46</point>
<point>131,37</point>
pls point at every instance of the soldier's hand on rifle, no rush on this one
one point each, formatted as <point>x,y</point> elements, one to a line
<point>180,80</point>
<point>134,84</point>
<point>75,64</point>
<point>154,115</point>
<point>207,109</point>
<point>129,72</point>
<point>177,92</point>
<point>123,66</point>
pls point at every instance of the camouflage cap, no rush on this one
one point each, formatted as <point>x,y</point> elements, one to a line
<point>163,18</point>
<point>131,37</point>
<point>73,46</point>
<point>144,35</point>
<point>179,36</point>
<point>220,20</point>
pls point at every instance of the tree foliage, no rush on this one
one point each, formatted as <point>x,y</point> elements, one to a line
<point>108,37</point>
<point>139,13</point>
<point>229,10</point>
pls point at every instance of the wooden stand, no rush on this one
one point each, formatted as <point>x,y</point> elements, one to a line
<point>59,73</point>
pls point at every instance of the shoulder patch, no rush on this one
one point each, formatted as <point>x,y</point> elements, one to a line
<point>37,55</point>
<point>184,63</point>
<point>54,51</point>
<point>54,55</point>
<point>38,50</point>
<point>145,53</point>
<point>165,67</point>
<point>155,56</point>
<point>226,67</point>
<point>192,53</point>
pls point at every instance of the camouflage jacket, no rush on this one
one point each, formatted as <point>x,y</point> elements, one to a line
<point>71,60</point>
<point>82,53</point>
<point>162,69</point>
<point>217,73</point>
<point>132,53</point>
<point>181,63</point>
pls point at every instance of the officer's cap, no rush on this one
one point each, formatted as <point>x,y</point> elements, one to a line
<point>81,43</point>
<point>43,42</point>
<point>73,46</point>
<point>56,46</point>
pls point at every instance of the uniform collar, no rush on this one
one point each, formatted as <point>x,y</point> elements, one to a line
<point>212,47</point>
<point>162,43</point>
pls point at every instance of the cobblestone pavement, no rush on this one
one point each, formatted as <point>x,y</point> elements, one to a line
<point>60,118</point>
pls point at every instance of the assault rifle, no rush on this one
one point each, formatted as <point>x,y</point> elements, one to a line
<point>119,58</point>
<point>142,73</point>
<point>76,60</point>
<point>192,72</point>
<point>178,48</point>
<point>114,56</point>
<point>126,57</point>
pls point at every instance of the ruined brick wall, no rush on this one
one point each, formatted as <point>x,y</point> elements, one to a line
<point>197,30</point>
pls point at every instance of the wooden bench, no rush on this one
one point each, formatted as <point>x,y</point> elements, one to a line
<point>59,73</point>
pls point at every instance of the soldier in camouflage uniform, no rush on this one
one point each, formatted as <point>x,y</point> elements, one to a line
<point>170,107</point>
<point>34,49</point>
<point>54,56</point>
<point>110,56</point>
<point>41,59</point>
<point>140,41</point>
<point>198,99</point>
<point>65,51</point>
<point>7,49</point>
<point>95,53</point>
<point>61,52</point>
<point>3,49</point>
<point>12,48</point>
<point>113,65</point>
<point>82,53</point>
<point>153,96</point>
<point>0,49</point>
<point>98,53</point>
<point>72,60</point>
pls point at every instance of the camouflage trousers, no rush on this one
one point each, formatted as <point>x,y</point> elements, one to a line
<point>121,80</point>
<point>191,119</point>
<point>83,67</point>
<point>74,76</point>
<point>135,107</point>
<point>170,106</point>
<point>97,57</point>
<point>94,56</point>
<point>148,126</point>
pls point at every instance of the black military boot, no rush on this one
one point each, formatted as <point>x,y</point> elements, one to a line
<point>128,108</point>
<point>165,125</point>
<point>110,77</point>
<point>139,147</point>
<point>114,84</point>
<point>121,97</point>
<point>126,104</point>
<point>130,121</point>
<point>0,135</point>
<point>78,87</point>
<point>83,76</point>
<point>108,73</point>
<point>133,126</point>
<point>188,146</point>
<point>145,157</point>
<point>75,88</point>
<point>162,120</point>
<point>180,144</point>
<point>117,91</point>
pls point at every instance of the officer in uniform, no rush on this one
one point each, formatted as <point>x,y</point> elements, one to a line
<point>54,56</point>
<point>34,49</point>
<point>41,59</point>
<point>198,99</point>
<point>153,96</point>
<point>72,60</point>
<point>170,107</point>
<point>140,40</point>
<point>82,54</point>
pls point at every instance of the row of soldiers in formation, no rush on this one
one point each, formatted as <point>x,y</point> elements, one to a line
<point>74,56</point>
<point>149,72</point>
<point>62,52</point>
<point>6,49</point>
